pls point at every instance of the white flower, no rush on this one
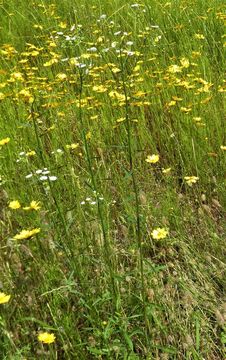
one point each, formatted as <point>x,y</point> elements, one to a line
<point>52,178</point>
<point>28,176</point>
<point>81,66</point>
<point>43,178</point>
<point>92,49</point>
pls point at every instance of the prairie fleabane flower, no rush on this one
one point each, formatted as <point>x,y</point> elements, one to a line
<point>26,234</point>
<point>190,180</point>
<point>4,298</point>
<point>14,204</point>
<point>46,338</point>
<point>159,233</point>
<point>152,159</point>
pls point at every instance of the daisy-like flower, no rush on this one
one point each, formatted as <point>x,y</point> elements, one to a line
<point>174,68</point>
<point>52,178</point>
<point>166,171</point>
<point>159,233</point>
<point>4,298</point>
<point>4,141</point>
<point>72,146</point>
<point>14,204</point>
<point>152,159</point>
<point>26,234</point>
<point>46,338</point>
<point>34,205</point>
<point>199,36</point>
<point>190,180</point>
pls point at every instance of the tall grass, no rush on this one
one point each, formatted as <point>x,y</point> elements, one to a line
<point>90,94</point>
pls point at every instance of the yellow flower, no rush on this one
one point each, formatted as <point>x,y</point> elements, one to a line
<point>2,96</point>
<point>14,204</point>
<point>190,180</point>
<point>197,118</point>
<point>26,96</point>
<point>223,147</point>
<point>63,25</point>
<point>61,76</point>
<point>31,153</point>
<point>199,36</point>
<point>166,171</point>
<point>26,234</point>
<point>159,233</point>
<point>172,103</point>
<point>4,141</point>
<point>4,298</point>
<point>34,205</point>
<point>116,95</point>
<point>50,62</point>
<point>174,69</point>
<point>17,76</point>
<point>72,146</point>
<point>185,62</point>
<point>88,135</point>
<point>185,109</point>
<point>46,338</point>
<point>152,159</point>
<point>120,119</point>
<point>99,88</point>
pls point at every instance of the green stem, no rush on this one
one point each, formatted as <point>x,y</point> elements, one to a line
<point>66,249</point>
<point>107,247</point>
<point>137,204</point>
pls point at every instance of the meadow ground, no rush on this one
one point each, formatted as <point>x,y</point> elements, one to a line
<point>112,165</point>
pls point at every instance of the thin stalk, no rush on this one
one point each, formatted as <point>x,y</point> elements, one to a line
<point>137,203</point>
<point>66,249</point>
<point>107,247</point>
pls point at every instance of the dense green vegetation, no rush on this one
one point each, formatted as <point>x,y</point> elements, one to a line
<point>112,180</point>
